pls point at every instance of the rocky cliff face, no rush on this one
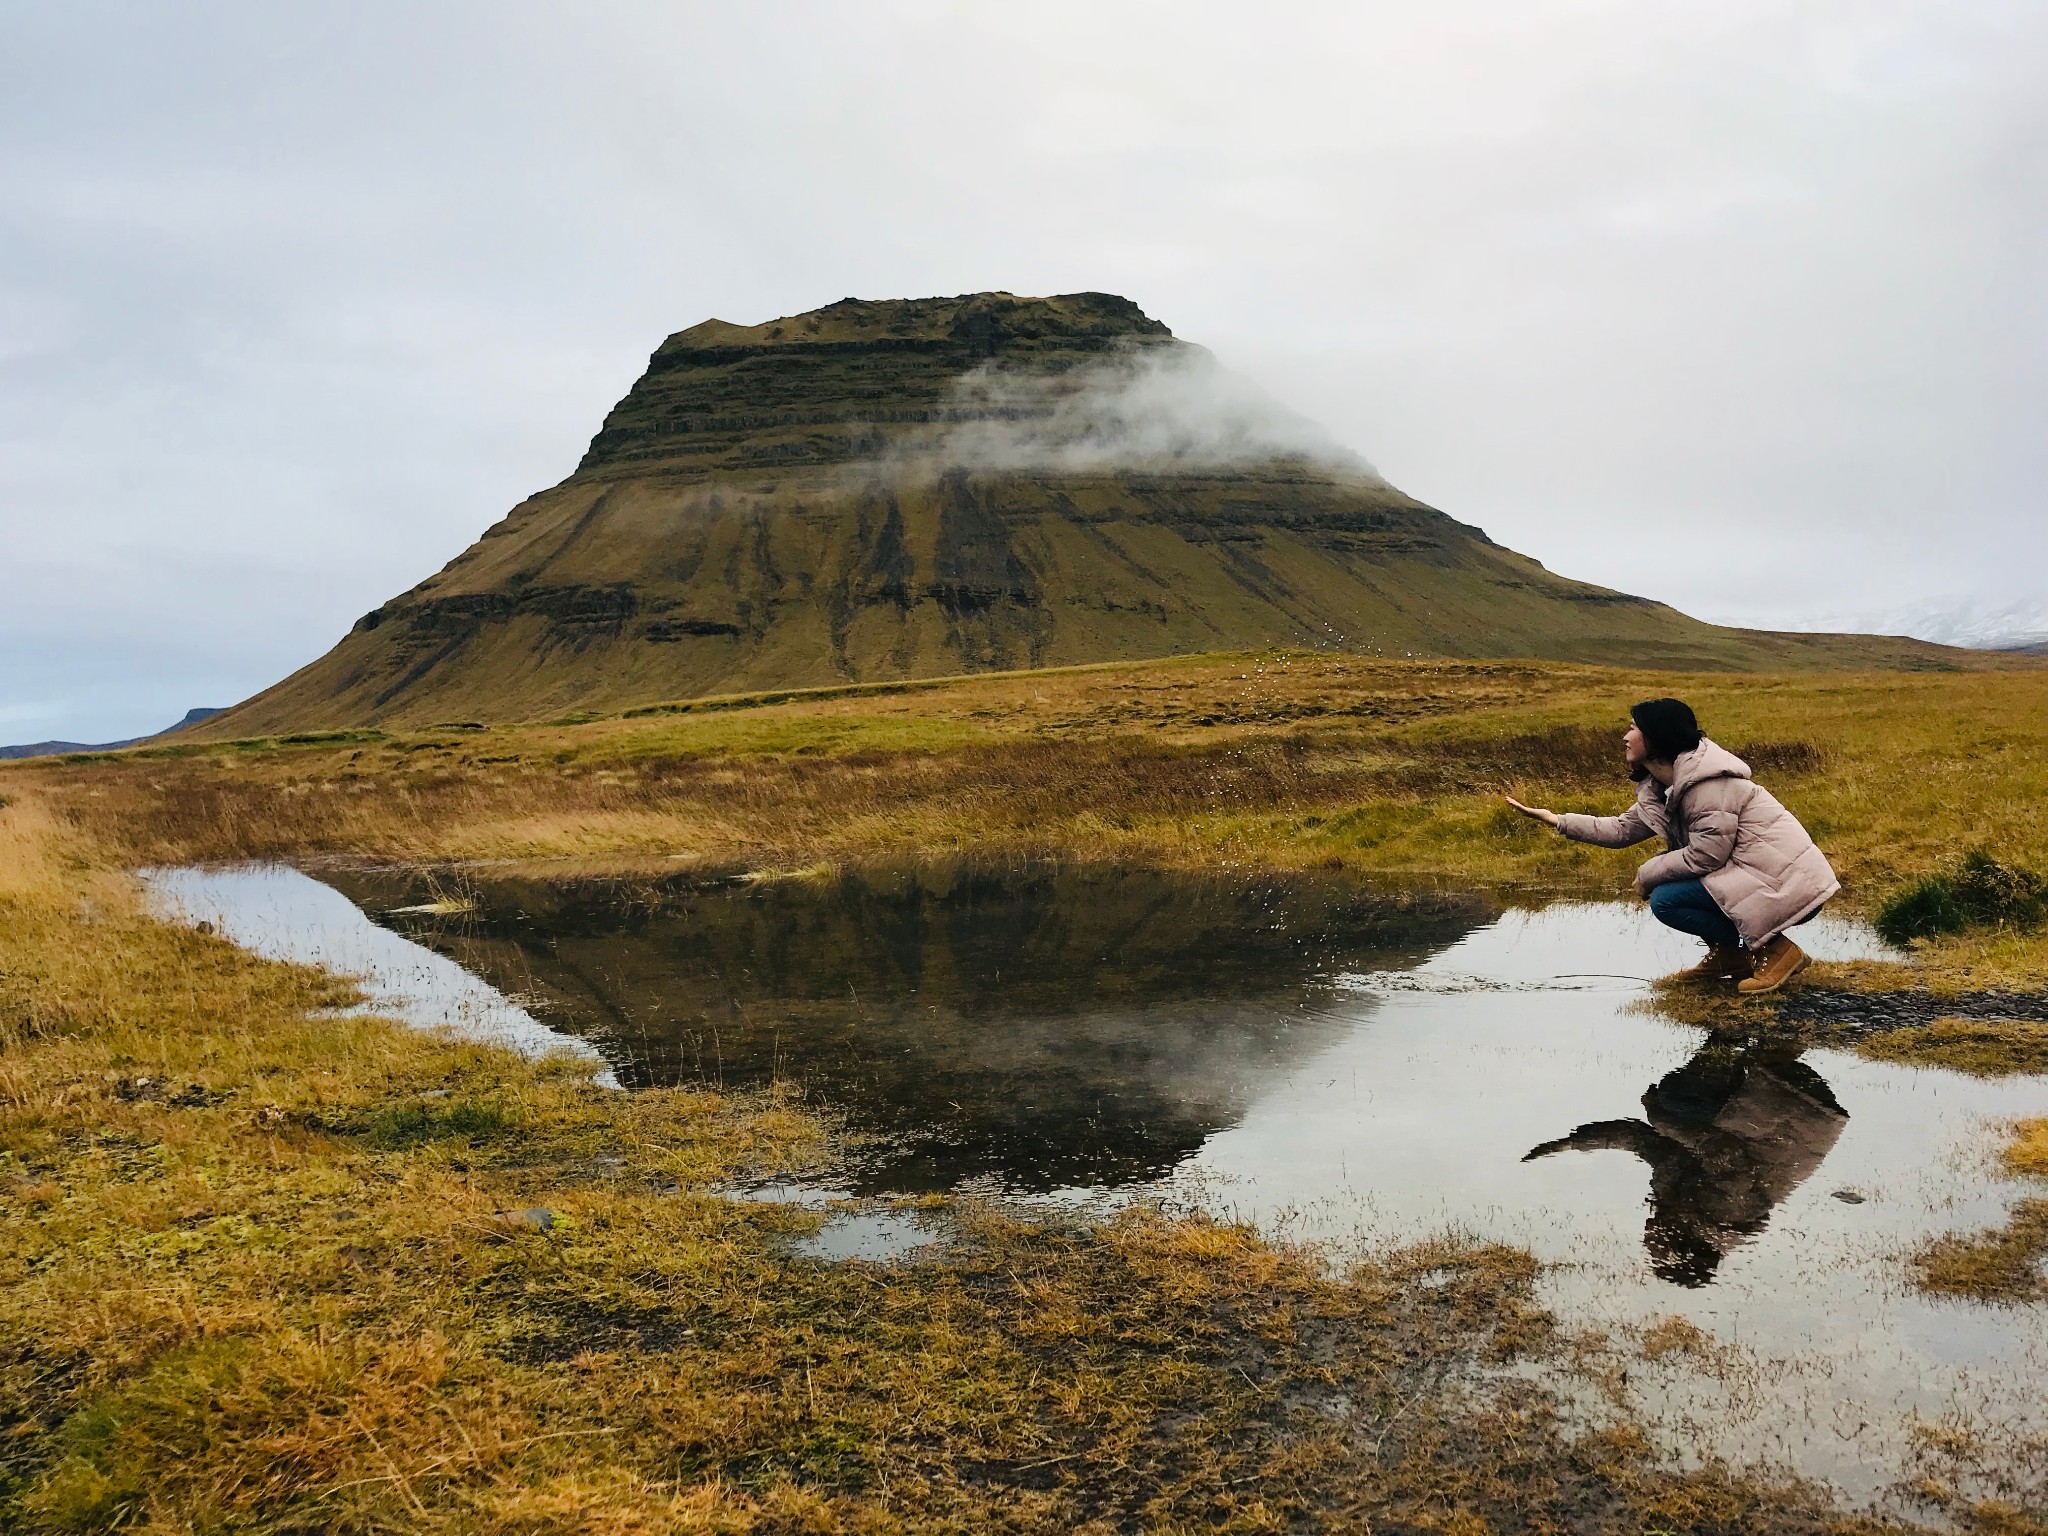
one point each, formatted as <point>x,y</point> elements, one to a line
<point>841,384</point>
<point>919,487</point>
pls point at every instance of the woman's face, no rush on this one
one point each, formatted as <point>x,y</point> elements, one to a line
<point>1633,749</point>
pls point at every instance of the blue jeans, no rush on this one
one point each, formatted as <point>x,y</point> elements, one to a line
<point>1686,906</point>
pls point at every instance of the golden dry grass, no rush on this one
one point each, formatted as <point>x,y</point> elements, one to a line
<point>261,1270</point>
<point>1980,1047</point>
<point>2002,1264</point>
<point>2026,1154</point>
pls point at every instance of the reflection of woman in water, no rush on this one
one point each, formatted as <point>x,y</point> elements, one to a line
<point>1740,868</point>
<point>1727,1137</point>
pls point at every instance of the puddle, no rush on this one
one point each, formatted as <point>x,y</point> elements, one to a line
<point>1026,1031</point>
<point>876,1236</point>
<point>277,912</point>
<point>848,1233</point>
<point>1332,1066</point>
<point>808,1197</point>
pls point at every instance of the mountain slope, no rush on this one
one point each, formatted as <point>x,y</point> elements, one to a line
<point>922,487</point>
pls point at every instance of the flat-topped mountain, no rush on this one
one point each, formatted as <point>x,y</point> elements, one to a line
<point>919,487</point>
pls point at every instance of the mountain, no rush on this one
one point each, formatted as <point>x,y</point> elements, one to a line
<point>920,487</point>
<point>57,748</point>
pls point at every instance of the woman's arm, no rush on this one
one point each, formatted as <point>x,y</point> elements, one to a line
<point>1631,826</point>
<point>1709,843</point>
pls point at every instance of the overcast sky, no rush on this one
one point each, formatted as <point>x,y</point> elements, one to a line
<point>1735,303</point>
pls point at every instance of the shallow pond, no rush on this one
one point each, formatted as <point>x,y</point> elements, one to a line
<point>1331,1065</point>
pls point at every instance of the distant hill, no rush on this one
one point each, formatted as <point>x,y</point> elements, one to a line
<point>921,487</point>
<point>58,748</point>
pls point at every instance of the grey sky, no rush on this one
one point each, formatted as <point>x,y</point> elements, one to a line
<point>1732,303</point>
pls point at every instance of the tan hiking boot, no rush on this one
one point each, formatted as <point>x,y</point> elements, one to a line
<point>1721,960</point>
<point>1776,963</point>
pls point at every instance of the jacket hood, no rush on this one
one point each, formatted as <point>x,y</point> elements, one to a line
<point>1705,761</point>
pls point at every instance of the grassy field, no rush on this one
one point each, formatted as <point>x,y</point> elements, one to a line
<point>264,1269</point>
<point>1391,769</point>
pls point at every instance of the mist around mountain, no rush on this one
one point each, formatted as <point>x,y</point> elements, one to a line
<point>58,748</point>
<point>893,489</point>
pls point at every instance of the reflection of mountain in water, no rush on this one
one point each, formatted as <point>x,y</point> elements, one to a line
<point>1727,1137</point>
<point>1045,1026</point>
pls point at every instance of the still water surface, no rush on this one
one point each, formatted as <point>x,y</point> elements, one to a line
<point>1331,1065</point>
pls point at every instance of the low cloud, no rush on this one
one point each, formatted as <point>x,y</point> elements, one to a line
<point>1157,408</point>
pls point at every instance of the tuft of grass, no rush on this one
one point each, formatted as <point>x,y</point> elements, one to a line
<point>410,1124</point>
<point>1976,892</point>
<point>1675,1335</point>
<point>1789,757</point>
<point>2026,1155</point>
<point>1980,1047</point>
<point>2002,1264</point>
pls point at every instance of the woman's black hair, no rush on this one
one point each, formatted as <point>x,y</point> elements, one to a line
<point>1669,727</point>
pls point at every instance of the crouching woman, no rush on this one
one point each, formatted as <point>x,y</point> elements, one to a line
<point>1740,868</point>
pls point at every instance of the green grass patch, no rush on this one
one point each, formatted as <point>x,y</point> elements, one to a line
<point>418,1121</point>
<point>1975,892</point>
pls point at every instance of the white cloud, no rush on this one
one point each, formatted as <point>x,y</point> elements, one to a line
<point>1148,407</point>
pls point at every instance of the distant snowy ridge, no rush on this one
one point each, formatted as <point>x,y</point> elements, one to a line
<point>1975,625</point>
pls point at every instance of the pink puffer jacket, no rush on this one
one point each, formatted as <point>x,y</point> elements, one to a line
<point>1755,859</point>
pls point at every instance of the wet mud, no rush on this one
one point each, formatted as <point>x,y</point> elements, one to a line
<point>1851,1016</point>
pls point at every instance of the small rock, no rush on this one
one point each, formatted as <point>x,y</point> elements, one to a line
<point>1849,1197</point>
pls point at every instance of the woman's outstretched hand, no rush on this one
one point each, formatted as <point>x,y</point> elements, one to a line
<point>1536,812</point>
